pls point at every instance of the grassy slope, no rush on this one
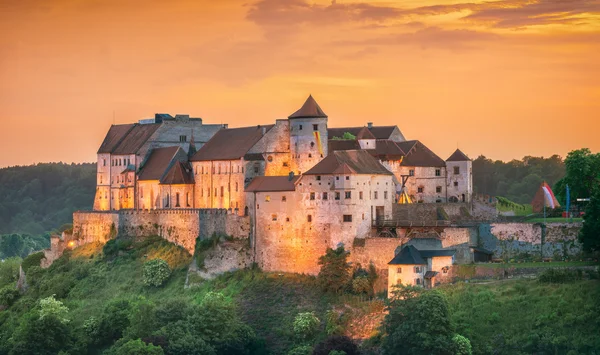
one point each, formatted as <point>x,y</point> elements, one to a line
<point>268,302</point>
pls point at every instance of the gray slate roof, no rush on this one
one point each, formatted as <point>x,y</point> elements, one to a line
<point>409,255</point>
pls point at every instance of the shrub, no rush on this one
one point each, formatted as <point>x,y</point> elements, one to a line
<point>361,285</point>
<point>337,343</point>
<point>555,275</point>
<point>306,325</point>
<point>32,260</point>
<point>156,272</point>
<point>462,345</point>
<point>49,307</point>
<point>301,350</point>
<point>135,347</point>
<point>8,295</point>
<point>332,323</point>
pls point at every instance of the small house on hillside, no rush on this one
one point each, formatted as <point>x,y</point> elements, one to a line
<point>418,267</point>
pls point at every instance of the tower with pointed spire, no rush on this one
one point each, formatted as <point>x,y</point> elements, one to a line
<point>308,136</point>
<point>459,170</point>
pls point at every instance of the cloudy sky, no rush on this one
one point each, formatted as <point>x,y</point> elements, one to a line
<point>500,78</point>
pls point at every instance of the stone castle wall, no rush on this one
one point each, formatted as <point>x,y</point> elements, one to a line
<point>509,240</point>
<point>180,227</point>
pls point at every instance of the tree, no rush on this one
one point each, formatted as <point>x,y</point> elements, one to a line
<point>338,343</point>
<point>589,235</point>
<point>156,272</point>
<point>335,270</point>
<point>50,307</point>
<point>418,324</point>
<point>135,347</point>
<point>582,174</point>
<point>306,325</point>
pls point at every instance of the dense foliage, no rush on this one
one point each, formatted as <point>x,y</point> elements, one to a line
<point>156,272</point>
<point>589,235</point>
<point>517,180</point>
<point>335,273</point>
<point>582,175</point>
<point>35,199</point>
<point>22,245</point>
<point>419,323</point>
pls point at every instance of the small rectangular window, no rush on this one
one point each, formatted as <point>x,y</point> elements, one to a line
<point>411,172</point>
<point>360,195</point>
<point>347,218</point>
<point>438,189</point>
<point>315,127</point>
<point>375,195</point>
<point>417,269</point>
<point>274,217</point>
<point>337,177</point>
<point>300,127</point>
<point>183,139</point>
<point>420,189</point>
<point>438,172</point>
<point>318,177</point>
<point>418,281</point>
<point>456,184</point>
<point>399,270</point>
<point>285,163</point>
<point>267,198</point>
<point>312,195</point>
<point>325,196</point>
<point>256,169</point>
<point>348,194</point>
<point>309,218</point>
<point>385,195</point>
<point>347,177</point>
<point>283,199</point>
<point>456,170</point>
<point>337,195</point>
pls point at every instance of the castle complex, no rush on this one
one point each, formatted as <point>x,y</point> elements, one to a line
<point>295,188</point>
<point>173,163</point>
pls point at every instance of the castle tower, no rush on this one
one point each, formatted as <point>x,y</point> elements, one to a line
<point>459,171</point>
<point>308,136</point>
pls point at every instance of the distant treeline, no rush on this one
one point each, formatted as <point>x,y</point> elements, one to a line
<point>516,180</point>
<point>39,198</point>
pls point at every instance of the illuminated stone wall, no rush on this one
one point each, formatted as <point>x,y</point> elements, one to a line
<point>275,148</point>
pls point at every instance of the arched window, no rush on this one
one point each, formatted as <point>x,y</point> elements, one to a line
<point>177,199</point>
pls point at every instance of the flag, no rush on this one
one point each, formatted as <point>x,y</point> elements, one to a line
<point>318,139</point>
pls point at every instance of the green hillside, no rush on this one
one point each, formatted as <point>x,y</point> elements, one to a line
<point>109,308</point>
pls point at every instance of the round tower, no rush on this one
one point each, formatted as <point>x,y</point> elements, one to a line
<point>308,136</point>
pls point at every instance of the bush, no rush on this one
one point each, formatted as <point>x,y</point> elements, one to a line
<point>49,307</point>
<point>135,347</point>
<point>156,272</point>
<point>301,350</point>
<point>34,259</point>
<point>462,345</point>
<point>332,323</point>
<point>8,295</point>
<point>306,325</point>
<point>336,343</point>
<point>555,275</point>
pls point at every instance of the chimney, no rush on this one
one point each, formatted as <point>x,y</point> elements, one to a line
<point>263,130</point>
<point>370,124</point>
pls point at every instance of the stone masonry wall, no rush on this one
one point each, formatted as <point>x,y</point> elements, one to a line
<point>94,226</point>
<point>509,240</point>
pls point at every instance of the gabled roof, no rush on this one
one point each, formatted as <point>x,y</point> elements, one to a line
<point>379,132</point>
<point>417,154</point>
<point>386,149</point>
<point>179,173</point>
<point>409,255</point>
<point>310,109</point>
<point>342,144</point>
<point>113,137</point>
<point>230,143</point>
<point>348,161</point>
<point>157,163</point>
<point>135,138</point>
<point>364,133</point>
<point>272,184</point>
<point>458,155</point>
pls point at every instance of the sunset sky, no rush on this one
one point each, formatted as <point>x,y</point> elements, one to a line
<point>500,78</point>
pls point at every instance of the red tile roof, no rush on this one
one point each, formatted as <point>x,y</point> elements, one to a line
<point>348,161</point>
<point>418,154</point>
<point>158,162</point>
<point>135,138</point>
<point>179,173</point>
<point>272,184</point>
<point>310,109</point>
<point>458,155</point>
<point>113,137</point>
<point>230,143</point>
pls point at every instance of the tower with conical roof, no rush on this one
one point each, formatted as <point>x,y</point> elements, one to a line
<point>459,170</point>
<point>308,136</point>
